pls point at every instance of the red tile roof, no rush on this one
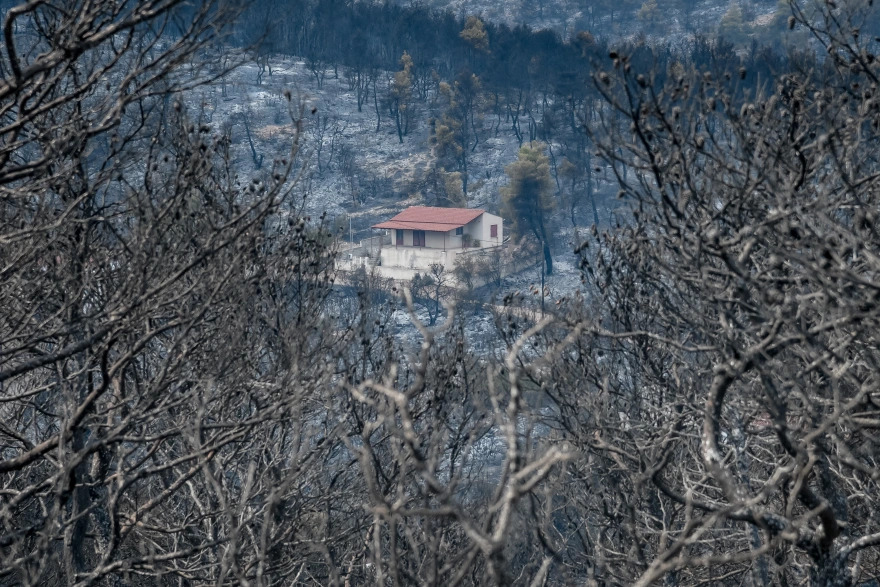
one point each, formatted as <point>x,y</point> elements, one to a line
<point>429,226</point>
<point>431,218</point>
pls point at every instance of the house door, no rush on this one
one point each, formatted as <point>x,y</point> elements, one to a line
<point>398,237</point>
<point>418,238</point>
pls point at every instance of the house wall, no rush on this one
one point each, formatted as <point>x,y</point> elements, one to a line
<point>418,258</point>
<point>398,273</point>
<point>434,240</point>
<point>480,230</point>
<point>474,229</point>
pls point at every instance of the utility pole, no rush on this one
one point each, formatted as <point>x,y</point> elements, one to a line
<point>542,285</point>
<point>543,262</point>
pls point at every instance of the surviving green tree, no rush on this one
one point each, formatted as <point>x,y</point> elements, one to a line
<point>400,96</point>
<point>527,200</point>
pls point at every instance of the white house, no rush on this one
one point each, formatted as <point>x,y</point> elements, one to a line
<point>423,235</point>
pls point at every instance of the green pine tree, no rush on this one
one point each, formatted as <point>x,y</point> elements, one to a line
<point>528,199</point>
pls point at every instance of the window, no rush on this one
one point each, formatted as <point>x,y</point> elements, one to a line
<point>459,231</point>
<point>398,237</point>
<point>418,238</point>
<point>493,231</point>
